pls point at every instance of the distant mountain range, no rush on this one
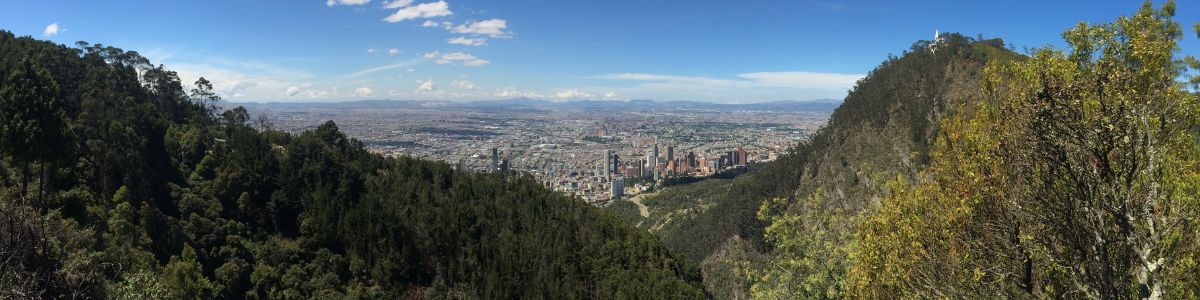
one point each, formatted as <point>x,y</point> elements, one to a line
<point>818,105</point>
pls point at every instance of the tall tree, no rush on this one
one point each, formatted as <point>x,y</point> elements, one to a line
<point>204,95</point>
<point>33,126</point>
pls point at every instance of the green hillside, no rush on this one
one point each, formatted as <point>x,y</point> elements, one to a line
<point>117,183</point>
<point>883,129</point>
<point>963,171</point>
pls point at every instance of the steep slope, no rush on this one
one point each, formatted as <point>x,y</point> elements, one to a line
<point>883,129</point>
<point>886,125</point>
<point>155,196</point>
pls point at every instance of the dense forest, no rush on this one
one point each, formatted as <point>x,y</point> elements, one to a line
<point>116,182</point>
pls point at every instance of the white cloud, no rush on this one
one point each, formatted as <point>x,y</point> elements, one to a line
<point>573,94</point>
<point>394,51</point>
<point>364,92</point>
<point>703,81</point>
<point>397,3</point>
<point>51,29</point>
<point>493,28</point>
<point>318,94</point>
<point>331,3</point>
<point>293,90</point>
<point>430,55</point>
<point>467,41</point>
<point>795,79</point>
<point>425,85</point>
<point>384,67</point>
<point>242,81</point>
<point>465,59</point>
<point>370,50</point>
<point>513,92</point>
<point>420,11</point>
<point>410,70</point>
<point>429,23</point>
<point>610,95</point>
<point>463,84</point>
<point>802,79</point>
<point>744,87</point>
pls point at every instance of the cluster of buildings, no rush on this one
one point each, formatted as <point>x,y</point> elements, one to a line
<point>594,156</point>
<point>655,166</point>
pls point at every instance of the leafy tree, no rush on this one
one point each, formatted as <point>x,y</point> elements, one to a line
<point>32,121</point>
<point>139,286</point>
<point>184,276</point>
<point>1076,177</point>
<point>811,250</point>
<point>204,96</point>
<point>125,238</point>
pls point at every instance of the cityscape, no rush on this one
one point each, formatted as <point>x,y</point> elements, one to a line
<point>596,152</point>
<point>674,150</point>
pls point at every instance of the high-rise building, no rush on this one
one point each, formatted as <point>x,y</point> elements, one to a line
<point>605,165</point>
<point>616,163</point>
<point>654,161</point>
<point>670,152</point>
<point>744,158</point>
<point>654,155</point>
<point>618,188</point>
<point>495,160</point>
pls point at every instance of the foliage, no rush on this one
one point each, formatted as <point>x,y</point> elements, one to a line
<point>1075,177</point>
<point>164,195</point>
<point>811,249</point>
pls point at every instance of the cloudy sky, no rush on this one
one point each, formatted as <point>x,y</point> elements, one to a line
<point>720,51</point>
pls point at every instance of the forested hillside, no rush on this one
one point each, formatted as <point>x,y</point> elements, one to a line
<point>883,129</point>
<point>961,169</point>
<point>117,183</point>
<point>1062,174</point>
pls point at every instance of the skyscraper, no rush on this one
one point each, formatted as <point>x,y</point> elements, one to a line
<point>654,160</point>
<point>616,163</point>
<point>608,154</point>
<point>743,157</point>
<point>670,152</point>
<point>495,160</point>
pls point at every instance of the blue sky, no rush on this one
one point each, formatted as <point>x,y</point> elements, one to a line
<point>720,51</point>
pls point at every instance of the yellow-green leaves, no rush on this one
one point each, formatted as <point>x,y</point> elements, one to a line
<point>810,252</point>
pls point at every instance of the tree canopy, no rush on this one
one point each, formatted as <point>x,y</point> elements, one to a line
<point>154,192</point>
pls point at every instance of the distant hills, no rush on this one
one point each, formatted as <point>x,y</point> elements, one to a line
<point>817,105</point>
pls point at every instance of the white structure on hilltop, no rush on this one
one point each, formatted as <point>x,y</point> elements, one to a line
<point>938,41</point>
